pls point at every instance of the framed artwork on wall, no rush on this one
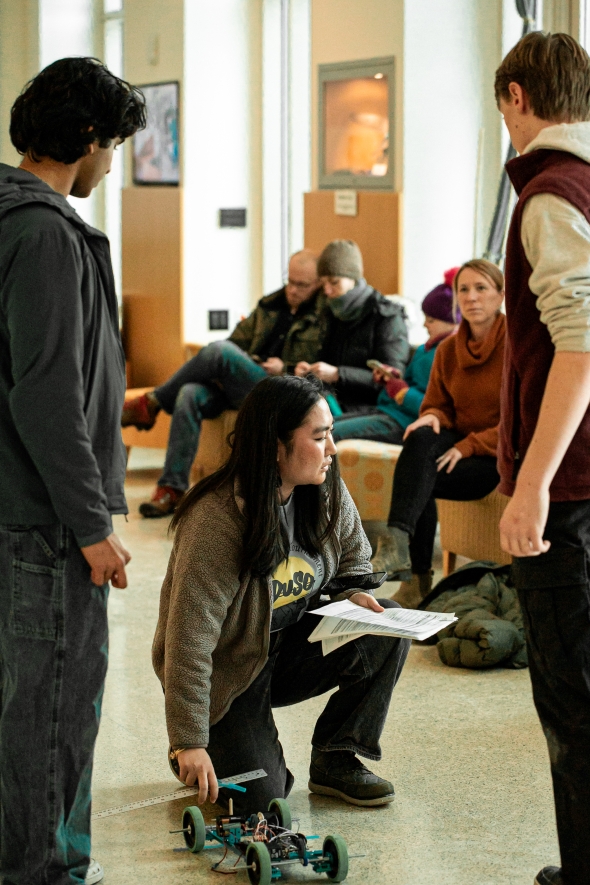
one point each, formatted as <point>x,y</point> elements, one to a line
<point>356,117</point>
<point>155,148</point>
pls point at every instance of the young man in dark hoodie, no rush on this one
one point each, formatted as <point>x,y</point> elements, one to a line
<point>543,91</point>
<point>62,384</point>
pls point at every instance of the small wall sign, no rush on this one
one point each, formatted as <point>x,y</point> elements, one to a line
<point>345,203</point>
<point>218,319</point>
<point>232,218</point>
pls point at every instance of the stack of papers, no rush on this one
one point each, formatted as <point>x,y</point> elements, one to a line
<point>343,621</point>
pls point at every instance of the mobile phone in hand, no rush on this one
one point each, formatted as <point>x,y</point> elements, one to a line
<point>388,372</point>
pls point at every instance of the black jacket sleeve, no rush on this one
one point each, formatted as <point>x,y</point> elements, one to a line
<point>390,347</point>
<point>41,286</point>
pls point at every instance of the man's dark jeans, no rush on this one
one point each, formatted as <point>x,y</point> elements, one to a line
<point>417,484</point>
<point>377,426</point>
<point>554,592</point>
<point>365,672</point>
<point>219,377</point>
<point>53,662</point>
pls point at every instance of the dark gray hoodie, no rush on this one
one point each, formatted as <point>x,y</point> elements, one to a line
<point>62,367</point>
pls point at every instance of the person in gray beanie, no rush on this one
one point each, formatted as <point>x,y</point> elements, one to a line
<point>341,258</point>
<point>362,325</point>
<point>399,401</point>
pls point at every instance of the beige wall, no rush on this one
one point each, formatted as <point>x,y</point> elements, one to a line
<point>153,47</point>
<point>18,60</point>
<point>346,30</point>
<point>153,40</point>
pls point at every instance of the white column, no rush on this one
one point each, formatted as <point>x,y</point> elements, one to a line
<point>451,50</point>
<point>272,206</point>
<point>221,119</point>
<point>286,169</point>
<point>66,28</point>
<point>299,118</point>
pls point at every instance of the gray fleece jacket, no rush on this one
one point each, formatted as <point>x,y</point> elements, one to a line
<point>213,631</point>
<point>62,367</point>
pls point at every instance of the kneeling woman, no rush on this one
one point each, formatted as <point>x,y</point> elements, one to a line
<point>255,545</point>
<point>450,451</point>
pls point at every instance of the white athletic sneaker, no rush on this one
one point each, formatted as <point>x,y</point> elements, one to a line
<point>95,873</point>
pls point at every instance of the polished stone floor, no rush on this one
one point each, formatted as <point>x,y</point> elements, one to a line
<point>464,749</point>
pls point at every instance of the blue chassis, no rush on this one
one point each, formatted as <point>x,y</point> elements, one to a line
<point>233,840</point>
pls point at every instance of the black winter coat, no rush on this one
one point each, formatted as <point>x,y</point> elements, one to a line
<point>379,333</point>
<point>62,366</point>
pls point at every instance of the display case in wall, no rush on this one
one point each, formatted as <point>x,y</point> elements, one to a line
<point>356,116</point>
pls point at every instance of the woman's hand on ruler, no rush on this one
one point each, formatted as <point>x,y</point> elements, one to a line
<point>196,767</point>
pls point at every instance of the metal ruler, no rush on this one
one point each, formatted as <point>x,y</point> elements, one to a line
<point>179,794</point>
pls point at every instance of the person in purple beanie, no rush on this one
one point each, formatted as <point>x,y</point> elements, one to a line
<point>399,402</point>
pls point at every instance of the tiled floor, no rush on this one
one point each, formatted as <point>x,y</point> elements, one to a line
<point>464,749</point>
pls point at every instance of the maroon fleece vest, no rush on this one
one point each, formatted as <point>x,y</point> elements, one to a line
<point>529,349</point>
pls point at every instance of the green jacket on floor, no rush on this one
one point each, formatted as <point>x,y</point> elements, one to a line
<point>489,631</point>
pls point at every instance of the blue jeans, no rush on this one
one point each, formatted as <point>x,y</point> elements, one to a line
<point>53,662</point>
<point>365,672</point>
<point>219,377</point>
<point>378,426</point>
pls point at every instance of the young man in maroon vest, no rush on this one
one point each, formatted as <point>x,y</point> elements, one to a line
<point>543,91</point>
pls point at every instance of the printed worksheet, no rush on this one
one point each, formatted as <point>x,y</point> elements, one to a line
<point>343,621</point>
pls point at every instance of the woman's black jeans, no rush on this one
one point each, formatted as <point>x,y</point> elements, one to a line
<point>417,483</point>
<point>365,672</point>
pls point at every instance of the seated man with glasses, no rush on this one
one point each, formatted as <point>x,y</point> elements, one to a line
<point>285,328</point>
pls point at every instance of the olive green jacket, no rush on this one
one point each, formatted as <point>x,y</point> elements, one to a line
<point>304,339</point>
<point>213,630</point>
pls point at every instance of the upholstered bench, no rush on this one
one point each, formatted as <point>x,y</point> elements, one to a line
<point>367,468</point>
<point>213,449</point>
<point>467,528</point>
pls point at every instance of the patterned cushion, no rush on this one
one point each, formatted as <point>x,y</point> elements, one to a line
<point>367,468</point>
<point>467,528</point>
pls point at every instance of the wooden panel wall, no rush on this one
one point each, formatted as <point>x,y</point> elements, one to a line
<point>152,283</point>
<point>376,228</point>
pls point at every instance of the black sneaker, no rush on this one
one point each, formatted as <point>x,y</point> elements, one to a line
<point>549,876</point>
<point>341,774</point>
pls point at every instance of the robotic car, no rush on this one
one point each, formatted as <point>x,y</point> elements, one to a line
<point>265,842</point>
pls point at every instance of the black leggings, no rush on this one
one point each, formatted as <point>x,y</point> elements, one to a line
<point>417,483</point>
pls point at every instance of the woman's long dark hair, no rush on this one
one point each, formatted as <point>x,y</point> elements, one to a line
<point>272,412</point>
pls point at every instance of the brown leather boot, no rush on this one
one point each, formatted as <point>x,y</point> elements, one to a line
<point>141,411</point>
<point>412,592</point>
<point>163,502</point>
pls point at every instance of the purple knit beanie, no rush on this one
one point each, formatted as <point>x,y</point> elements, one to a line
<point>438,304</point>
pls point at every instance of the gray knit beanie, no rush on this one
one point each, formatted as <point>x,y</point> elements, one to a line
<point>341,258</point>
